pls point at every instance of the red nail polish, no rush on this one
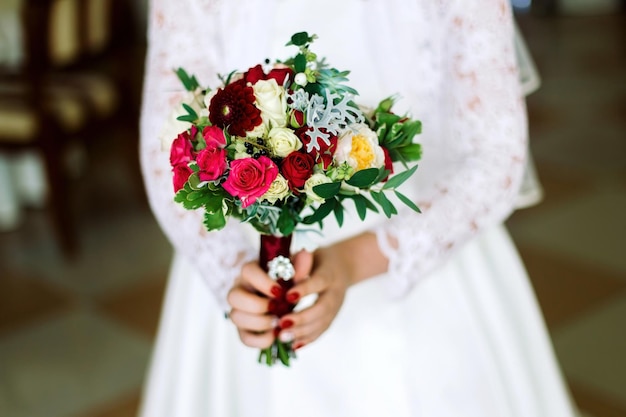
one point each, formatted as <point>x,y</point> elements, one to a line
<point>292,297</point>
<point>298,346</point>
<point>285,324</point>
<point>276,291</point>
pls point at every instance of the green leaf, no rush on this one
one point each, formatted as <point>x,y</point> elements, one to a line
<point>328,190</point>
<point>364,178</point>
<point>189,82</point>
<point>299,63</point>
<point>398,179</point>
<point>186,118</point>
<point>321,212</point>
<point>214,202</point>
<point>214,221</point>
<point>299,39</point>
<point>338,210</point>
<point>190,111</point>
<point>384,202</point>
<point>406,200</point>
<point>412,152</point>
<point>286,222</point>
<point>360,203</point>
<point>194,180</point>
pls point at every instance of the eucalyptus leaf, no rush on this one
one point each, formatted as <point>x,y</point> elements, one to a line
<point>361,206</point>
<point>400,178</point>
<point>338,210</point>
<point>406,200</point>
<point>384,202</point>
<point>328,190</point>
<point>364,178</point>
<point>321,212</point>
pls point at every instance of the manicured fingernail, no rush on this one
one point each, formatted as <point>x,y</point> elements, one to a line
<point>285,324</point>
<point>286,337</point>
<point>292,297</point>
<point>298,346</point>
<point>276,291</point>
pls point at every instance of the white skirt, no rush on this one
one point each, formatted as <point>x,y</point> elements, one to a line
<point>467,341</point>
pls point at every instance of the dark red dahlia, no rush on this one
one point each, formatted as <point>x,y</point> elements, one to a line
<point>232,108</point>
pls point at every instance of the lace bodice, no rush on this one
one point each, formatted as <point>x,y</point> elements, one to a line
<point>453,64</point>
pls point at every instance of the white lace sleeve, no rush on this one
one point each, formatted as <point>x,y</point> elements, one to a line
<point>173,41</point>
<point>480,145</point>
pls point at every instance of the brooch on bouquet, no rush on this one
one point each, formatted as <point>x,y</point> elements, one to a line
<point>284,144</point>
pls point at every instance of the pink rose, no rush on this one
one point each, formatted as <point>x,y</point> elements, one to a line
<point>212,163</point>
<point>182,172</point>
<point>181,151</point>
<point>250,178</point>
<point>214,137</point>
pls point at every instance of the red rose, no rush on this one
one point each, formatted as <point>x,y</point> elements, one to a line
<point>297,167</point>
<point>256,73</point>
<point>232,108</point>
<point>250,178</point>
<point>214,137</point>
<point>212,163</point>
<point>325,153</point>
<point>181,150</point>
<point>182,172</point>
<point>388,162</point>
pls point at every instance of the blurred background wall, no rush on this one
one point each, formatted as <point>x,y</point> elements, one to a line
<point>79,310</point>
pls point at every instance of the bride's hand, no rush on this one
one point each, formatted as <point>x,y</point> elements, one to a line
<point>334,269</point>
<point>329,280</point>
<point>249,300</point>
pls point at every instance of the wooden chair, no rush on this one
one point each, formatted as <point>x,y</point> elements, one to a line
<point>58,93</point>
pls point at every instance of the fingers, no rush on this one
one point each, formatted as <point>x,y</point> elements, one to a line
<point>307,325</point>
<point>302,263</point>
<point>255,278</point>
<point>316,284</point>
<point>253,322</point>
<point>256,340</point>
<point>241,299</point>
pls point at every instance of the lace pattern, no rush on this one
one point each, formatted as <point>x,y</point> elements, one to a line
<point>453,64</point>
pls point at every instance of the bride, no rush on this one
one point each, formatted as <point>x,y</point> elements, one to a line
<point>425,314</point>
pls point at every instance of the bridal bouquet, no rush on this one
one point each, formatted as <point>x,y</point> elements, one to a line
<point>281,145</point>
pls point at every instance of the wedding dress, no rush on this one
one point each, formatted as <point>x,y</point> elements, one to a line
<point>453,328</point>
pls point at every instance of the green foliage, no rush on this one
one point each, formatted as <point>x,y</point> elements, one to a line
<point>189,82</point>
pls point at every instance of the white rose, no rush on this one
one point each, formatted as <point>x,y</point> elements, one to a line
<point>358,147</point>
<point>271,100</point>
<point>315,179</point>
<point>277,191</point>
<point>172,126</point>
<point>283,141</point>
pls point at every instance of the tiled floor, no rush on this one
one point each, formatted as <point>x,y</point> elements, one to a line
<point>75,337</point>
